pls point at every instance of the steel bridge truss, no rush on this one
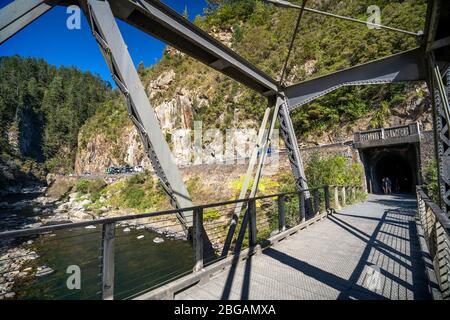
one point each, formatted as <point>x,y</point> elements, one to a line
<point>437,57</point>
<point>158,20</point>
<point>440,84</point>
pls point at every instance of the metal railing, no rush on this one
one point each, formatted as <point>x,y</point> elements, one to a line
<point>436,229</point>
<point>118,260</point>
<point>388,133</point>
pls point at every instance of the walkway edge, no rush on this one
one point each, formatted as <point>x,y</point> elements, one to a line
<point>433,285</point>
<point>168,291</point>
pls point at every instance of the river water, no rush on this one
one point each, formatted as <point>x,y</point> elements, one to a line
<point>140,264</point>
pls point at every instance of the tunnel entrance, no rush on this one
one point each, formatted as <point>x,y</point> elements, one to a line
<point>398,163</point>
<point>397,169</point>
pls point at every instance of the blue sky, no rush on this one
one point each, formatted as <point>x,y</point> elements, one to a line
<point>48,38</point>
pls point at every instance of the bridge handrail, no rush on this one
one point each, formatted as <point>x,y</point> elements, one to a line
<point>436,230</point>
<point>320,200</point>
<point>44,229</point>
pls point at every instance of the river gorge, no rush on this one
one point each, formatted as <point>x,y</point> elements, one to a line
<point>36,267</point>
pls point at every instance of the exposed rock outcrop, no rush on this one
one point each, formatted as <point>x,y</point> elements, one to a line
<point>99,153</point>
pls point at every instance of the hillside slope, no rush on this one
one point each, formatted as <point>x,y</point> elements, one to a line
<point>183,90</point>
<point>42,108</point>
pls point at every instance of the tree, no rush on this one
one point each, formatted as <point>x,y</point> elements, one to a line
<point>47,106</point>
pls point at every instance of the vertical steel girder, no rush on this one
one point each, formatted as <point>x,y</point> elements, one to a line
<point>440,91</point>
<point>290,140</point>
<point>114,49</point>
<point>18,14</point>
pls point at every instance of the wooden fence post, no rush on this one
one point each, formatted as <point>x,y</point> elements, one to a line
<point>302,207</point>
<point>281,214</point>
<point>344,200</point>
<point>337,206</point>
<point>252,223</point>
<point>108,240</point>
<point>326,191</point>
<point>198,238</point>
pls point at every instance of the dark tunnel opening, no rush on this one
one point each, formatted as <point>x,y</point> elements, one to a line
<point>394,167</point>
<point>398,163</point>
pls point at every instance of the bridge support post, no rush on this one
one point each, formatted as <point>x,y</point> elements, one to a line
<point>108,240</point>
<point>252,231</point>
<point>316,201</point>
<point>326,191</point>
<point>302,206</point>
<point>337,206</point>
<point>290,140</point>
<point>344,198</point>
<point>281,214</point>
<point>198,239</point>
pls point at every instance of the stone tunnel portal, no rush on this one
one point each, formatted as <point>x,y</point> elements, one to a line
<point>399,163</point>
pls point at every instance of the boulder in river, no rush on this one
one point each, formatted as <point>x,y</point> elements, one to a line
<point>44,271</point>
<point>158,240</point>
<point>10,295</point>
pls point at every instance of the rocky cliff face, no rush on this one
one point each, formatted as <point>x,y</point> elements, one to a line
<point>25,135</point>
<point>99,153</point>
<point>175,114</point>
<point>181,89</point>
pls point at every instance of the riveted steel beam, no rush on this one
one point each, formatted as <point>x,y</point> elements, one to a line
<point>18,14</point>
<point>114,49</point>
<point>290,141</point>
<point>440,88</point>
<point>156,19</point>
<point>437,59</point>
<point>405,66</point>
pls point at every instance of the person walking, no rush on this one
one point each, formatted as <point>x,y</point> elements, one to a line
<point>388,185</point>
<point>384,184</point>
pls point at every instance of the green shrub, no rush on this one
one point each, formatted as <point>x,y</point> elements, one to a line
<point>211,214</point>
<point>137,192</point>
<point>332,170</point>
<point>134,197</point>
<point>93,187</point>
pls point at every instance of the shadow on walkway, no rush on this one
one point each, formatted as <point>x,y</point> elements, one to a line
<point>376,241</point>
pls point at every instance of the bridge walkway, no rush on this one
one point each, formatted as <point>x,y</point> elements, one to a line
<point>368,250</point>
